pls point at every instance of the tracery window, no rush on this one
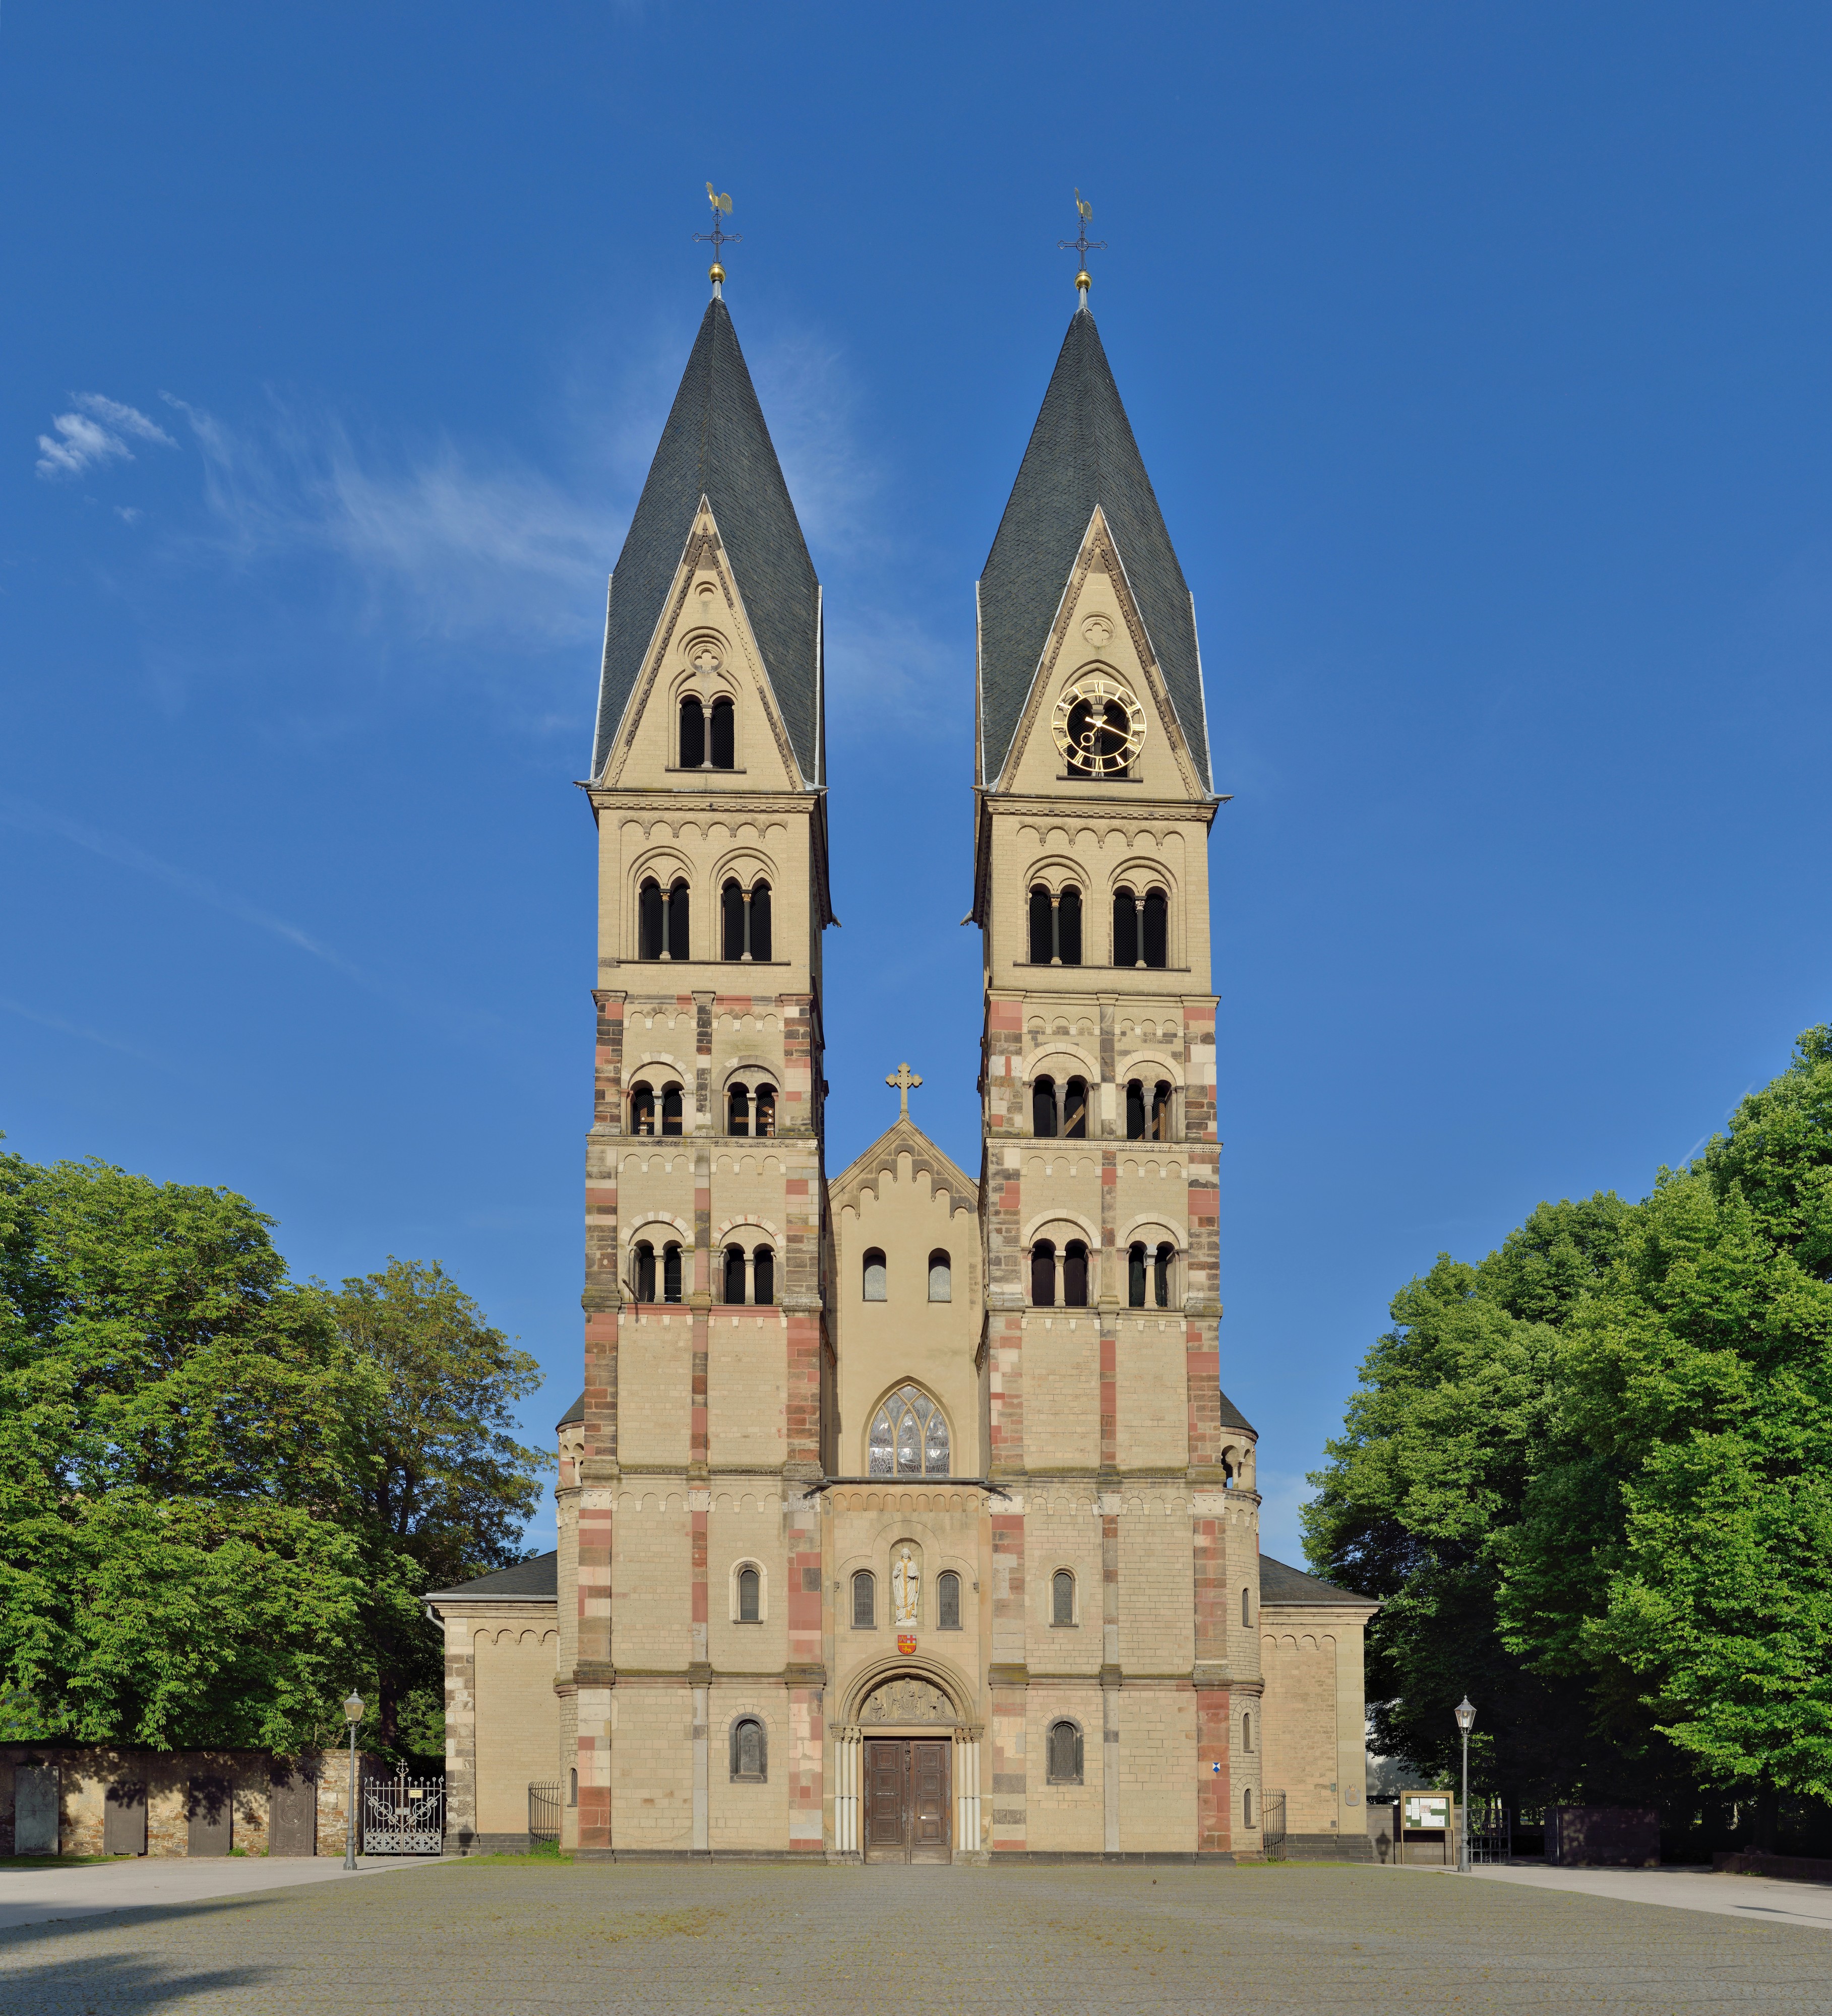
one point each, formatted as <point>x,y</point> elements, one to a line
<point>947,1600</point>
<point>876,1277</point>
<point>749,1752</point>
<point>864,1600</point>
<point>1062,1597</point>
<point>908,1437</point>
<point>1063,1754</point>
<point>941,1277</point>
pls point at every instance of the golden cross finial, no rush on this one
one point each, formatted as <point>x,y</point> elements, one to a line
<point>905,1080</point>
<point>717,238</point>
<point>1082,244</point>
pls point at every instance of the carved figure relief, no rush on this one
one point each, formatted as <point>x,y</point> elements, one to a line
<point>907,1700</point>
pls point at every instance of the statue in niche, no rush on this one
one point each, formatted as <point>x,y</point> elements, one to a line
<point>906,1586</point>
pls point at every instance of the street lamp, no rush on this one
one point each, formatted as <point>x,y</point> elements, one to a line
<point>1465,1722</point>
<point>352,1714</point>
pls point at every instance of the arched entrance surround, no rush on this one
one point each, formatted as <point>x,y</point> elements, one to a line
<point>906,1764</point>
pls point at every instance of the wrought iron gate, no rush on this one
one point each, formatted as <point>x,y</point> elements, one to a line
<point>1489,1840</point>
<point>543,1813</point>
<point>1272,1830</point>
<point>404,1815</point>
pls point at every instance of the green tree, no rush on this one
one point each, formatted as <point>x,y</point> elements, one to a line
<point>446,1485</point>
<point>182,1437</point>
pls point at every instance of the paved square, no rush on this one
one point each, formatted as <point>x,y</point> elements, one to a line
<point>768,1938</point>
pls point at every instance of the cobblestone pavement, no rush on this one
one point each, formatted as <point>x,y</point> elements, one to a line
<point>765,1938</point>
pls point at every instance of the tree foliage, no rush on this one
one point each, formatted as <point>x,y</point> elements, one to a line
<point>1591,1480</point>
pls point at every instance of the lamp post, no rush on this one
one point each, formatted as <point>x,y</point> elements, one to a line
<point>352,1714</point>
<point>1465,1721</point>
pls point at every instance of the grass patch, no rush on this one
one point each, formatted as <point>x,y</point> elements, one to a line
<point>544,1855</point>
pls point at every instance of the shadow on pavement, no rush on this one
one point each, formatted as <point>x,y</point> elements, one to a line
<point>113,1981</point>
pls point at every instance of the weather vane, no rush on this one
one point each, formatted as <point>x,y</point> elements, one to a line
<point>716,238</point>
<point>1083,244</point>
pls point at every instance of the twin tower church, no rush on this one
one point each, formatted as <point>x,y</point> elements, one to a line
<point>902,1516</point>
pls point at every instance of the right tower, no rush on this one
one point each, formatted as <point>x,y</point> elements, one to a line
<point>1124,1546</point>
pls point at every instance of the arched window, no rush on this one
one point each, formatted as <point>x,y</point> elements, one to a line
<point>1135,1110</point>
<point>1042,1275</point>
<point>643,1269</point>
<point>1043,1109</point>
<point>671,1272</point>
<point>1247,1734</point>
<point>941,1277</point>
<point>1245,1613</point>
<point>763,1274</point>
<point>1161,1263</point>
<point>1162,1110</point>
<point>572,1787</point>
<point>1075,1110</point>
<point>1068,926</point>
<point>864,1600</point>
<point>693,733</point>
<point>947,1601</point>
<point>766,1112</point>
<point>737,1109</point>
<point>1075,1276</point>
<point>1063,1754</point>
<point>642,1107</point>
<point>1062,1597</point>
<point>676,907</point>
<point>908,1437</point>
<point>734,1274</point>
<point>749,1752</point>
<point>671,1109</point>
<point>1135,1274</point>
<point>750,1585</point>
<point>651,941</point>
<point>731,921</point>
<point>1246,1805</point>
<point>724,736</point>
<point>1125,927</point>
<point>1154,933</point>
<point>1043,927</point>
<point>874,1276</point>
<point>760,920</point>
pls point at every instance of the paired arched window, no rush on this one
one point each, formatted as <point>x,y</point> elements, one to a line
<point>1141,933</point>
<point>743,920</point>
<point>661,919</point>
<point>1074,1271</point>
<point>947,1600</point>
<point>1055,926</point>
<point>760,1263</point>
<point>1150,1109</point>
<point>941,1277</point>
<point>876,1277</point>
<point>908,1437</point>
<point>750,1752</point>
<point>1148,1274</point>
<point>750,1592</point>
<point>746,1113</point>
<point>1059,1111</point>
<point>644,1271</point>
<point>644,1109</point>
<point>699,751</point>
<point>1062,1754</point>
<point>1062,1596</point>
<point>864,1600</point>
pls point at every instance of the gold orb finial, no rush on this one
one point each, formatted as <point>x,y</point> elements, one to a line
<point>715,273</point>
<point>1084,279</point>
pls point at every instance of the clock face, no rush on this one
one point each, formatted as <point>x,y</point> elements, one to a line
<point>1099,726</point>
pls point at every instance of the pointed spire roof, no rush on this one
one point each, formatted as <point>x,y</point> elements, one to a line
<point>715,445</point>
<point>1081,454</point>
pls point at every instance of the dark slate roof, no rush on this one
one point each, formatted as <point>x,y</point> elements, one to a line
<point>715,445</point>
<point>1232,1416</point>
<point>1081,453</point>
<point>528,1582</point>
<point>1280,1584</point>
<point>574,1413</point>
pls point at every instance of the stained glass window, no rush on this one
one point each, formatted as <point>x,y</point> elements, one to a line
<point>909,1437</point>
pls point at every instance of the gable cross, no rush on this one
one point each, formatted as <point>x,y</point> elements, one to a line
<point>905,1080</point>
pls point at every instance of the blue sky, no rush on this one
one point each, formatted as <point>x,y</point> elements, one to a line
<point>1479,356</point>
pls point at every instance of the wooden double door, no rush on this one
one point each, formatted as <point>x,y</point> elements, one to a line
<point>907,1785</point>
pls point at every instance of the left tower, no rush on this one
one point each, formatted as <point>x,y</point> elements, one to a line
<point>689,1562</point>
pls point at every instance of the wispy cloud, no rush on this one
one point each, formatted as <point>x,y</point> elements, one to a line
<point>97,431</point>
<point>76,1029</point>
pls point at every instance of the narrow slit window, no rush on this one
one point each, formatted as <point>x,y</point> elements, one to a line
<point>737,1109</point>
<point>1246,1805</point>
<point>1246,1608</point>
<point>731,920</point>
<point>760,921</point>
<point>649,920</point>
<point>693,733</point>
<point>947,1600</point>
<point>1135,1274</point>
<point>1135,1110</point>
<point>1043,1109</point>
<point>1043,927</point>
<point>1156,933</point>
<point>671,1273</point>
<point>1068,926</point>
<point>763,1272</point>
<point>724,737</point>
<point>677,921</point>
<point>1075,1276</point>
<point>1125,928</point>
<point>1075,1110</point>
<point>865,1601</point>
<point>749,1585</point>
<point>1162,1262</point>
<point>1247,1734</point>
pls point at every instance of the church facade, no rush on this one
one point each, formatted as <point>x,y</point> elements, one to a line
<point>903,1516</point>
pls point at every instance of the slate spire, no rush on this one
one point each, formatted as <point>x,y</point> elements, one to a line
<point>716,445</point>
<point>1081,454</point>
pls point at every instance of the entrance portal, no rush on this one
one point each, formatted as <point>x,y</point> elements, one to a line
<point>907,1799</point>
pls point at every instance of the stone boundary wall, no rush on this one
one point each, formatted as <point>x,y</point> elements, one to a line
<point>1793,1868</point>
<point>85,1772</point>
